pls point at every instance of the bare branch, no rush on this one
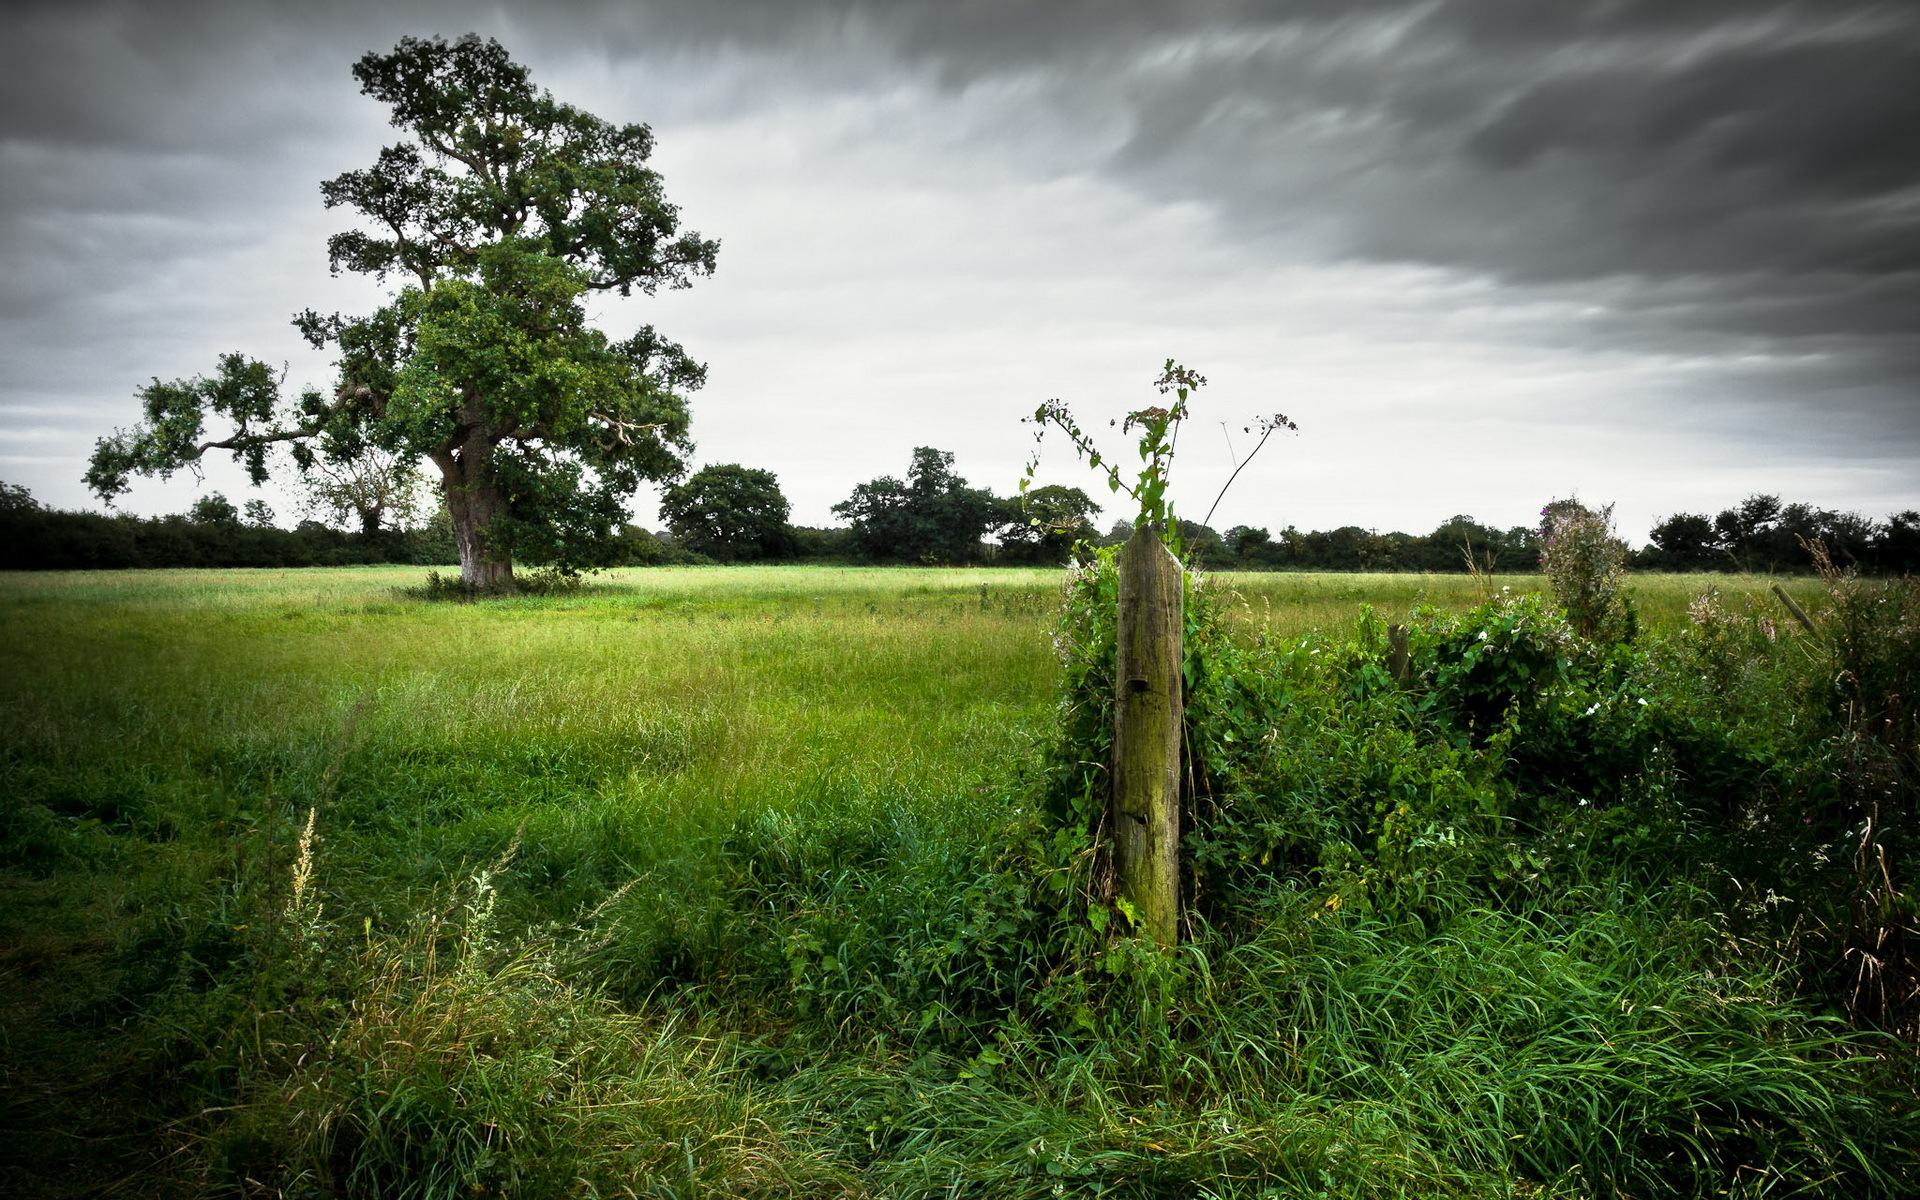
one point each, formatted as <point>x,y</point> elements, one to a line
<point>1267,426</point>
<point>622,433</point>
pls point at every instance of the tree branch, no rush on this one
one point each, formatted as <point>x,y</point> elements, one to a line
<point>622,431</point>
<point>346,398</point>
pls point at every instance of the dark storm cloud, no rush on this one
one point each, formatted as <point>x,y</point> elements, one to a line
<point>1787,148</point>
<point>158,78</point>
<point>1771,149</point>
<point>1769,144</point>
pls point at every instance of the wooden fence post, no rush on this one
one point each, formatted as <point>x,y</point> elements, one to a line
<point>1799,614</point>
<point>1397,652</point>
<point>1148,711</point>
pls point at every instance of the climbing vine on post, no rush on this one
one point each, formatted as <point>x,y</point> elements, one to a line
<point>1143,808</point>
<point>1159,432</point>
<point>1142,820</point>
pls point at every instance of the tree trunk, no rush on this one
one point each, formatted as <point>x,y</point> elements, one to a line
<point>1148,710</point>
<point>473,506</point>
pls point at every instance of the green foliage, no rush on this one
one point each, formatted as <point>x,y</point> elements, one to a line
<point>1159,433</point>
<point>211,534</point>
<point>1458,544</point>
<point>1516,778</point>
<point>1684,542</point>
<point>1044,524</point>
<point>375,490</point>
<point>932,517</point>
<point>245,393</point>
<point>1869,690</point>
<point>213,509</point>
<point>1159,430</point>
<point>1763,534</point>
<point>729,512</point>
<point>16,500</point>
<point>1585,566</point>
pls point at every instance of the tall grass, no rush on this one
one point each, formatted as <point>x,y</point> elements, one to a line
<point>1290,603</point>
<point>167,732</point>
<point>770,924</point>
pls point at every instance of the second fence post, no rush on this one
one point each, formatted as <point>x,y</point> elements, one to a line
<point>1149,707</point>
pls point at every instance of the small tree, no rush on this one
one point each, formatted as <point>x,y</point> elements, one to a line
<point>1247,542</point>
<point>1201,545</point>
<point>1686,542</point>
<point>728,511</point>
<point>376,490</point>
<point>503,211</point>
<point>1586,569</point>
<point>16,498</point>
<point>213,509</point>
<point>1897,546</point>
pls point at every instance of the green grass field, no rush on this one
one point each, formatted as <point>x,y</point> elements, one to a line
<point>168,733</point>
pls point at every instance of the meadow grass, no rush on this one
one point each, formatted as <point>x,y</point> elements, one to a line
<point>1297,602</point>
<point>167,732</point>
<point>698,775</point>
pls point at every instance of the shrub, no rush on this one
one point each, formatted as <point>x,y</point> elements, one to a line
<point>1586,566</point>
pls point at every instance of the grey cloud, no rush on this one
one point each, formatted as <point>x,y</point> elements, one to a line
<point>1536,142</point>
<point>1715,176</point>
<point>160,77</point>
<point>1770,165</point>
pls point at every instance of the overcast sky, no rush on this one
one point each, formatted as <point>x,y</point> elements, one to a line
<point>1487,253</point>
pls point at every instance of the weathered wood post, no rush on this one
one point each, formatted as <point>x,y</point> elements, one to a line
<point>1397,652</point>
<point>1799,614</point>
<point>1148,709</point>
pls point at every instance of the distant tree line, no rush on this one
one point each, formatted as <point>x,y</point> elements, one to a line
<point>1452,546</point>
<point>731,513</point>
<point>1762,534</point>
<point>212,533</point>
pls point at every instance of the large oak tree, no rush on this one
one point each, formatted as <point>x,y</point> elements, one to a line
<point>501,214</point>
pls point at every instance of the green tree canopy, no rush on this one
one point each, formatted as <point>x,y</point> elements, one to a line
<point>729,512</point>
<point>377,491</point>
<point>501,213</point>
<point>931,517</point>
<point>1686,542</point>
<point>1043,526</point>
<point>214,509</point>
